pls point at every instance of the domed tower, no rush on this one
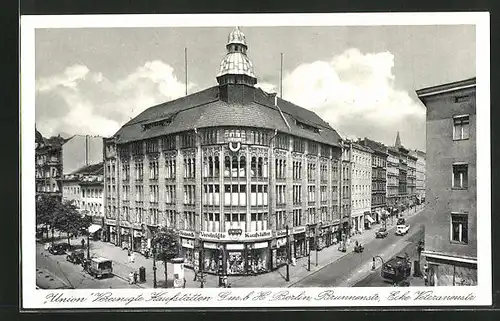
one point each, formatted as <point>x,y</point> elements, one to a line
<point>236,67</point>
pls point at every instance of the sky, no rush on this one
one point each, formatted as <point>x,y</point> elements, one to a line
<point>361,80</point>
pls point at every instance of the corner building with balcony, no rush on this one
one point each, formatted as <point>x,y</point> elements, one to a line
<point>229,167</point>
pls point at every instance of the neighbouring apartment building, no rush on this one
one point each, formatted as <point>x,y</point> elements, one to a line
<point>361,187</point>
<point>392,177</point>
<point>379,177</point>
<point>231,167</point>
<point>451,196</point>
<point>420,170</point>
<point>85,188</point>
<point>48,165</point>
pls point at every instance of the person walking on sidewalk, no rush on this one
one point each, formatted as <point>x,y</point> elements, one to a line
<point>83,243</point>
<point>132,257</point>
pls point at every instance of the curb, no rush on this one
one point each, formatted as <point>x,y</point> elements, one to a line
<point>340,257</point>
<point>126,279</point>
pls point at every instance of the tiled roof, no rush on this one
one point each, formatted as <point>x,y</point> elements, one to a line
<point>93,169</point>
<point>206,109</point>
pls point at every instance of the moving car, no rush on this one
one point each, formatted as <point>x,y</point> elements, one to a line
<point>402,229</point>
<point>59,249</point>
<point>76,257</point>
<point>381,233</point>
<point>99,267</point>
<point>396,269</point>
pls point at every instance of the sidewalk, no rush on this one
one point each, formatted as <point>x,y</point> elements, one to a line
<point>328,255</point>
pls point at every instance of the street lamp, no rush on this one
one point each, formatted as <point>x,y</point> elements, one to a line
<point>308,248</point>
<point>287,255</point>
<point>154,264</point>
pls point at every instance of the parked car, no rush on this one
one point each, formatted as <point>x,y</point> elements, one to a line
<point>402,229</point>
<point>59,249</point>
<point>76,257</point>
<point>381,233</point>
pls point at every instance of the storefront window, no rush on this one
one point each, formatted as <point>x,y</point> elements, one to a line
<point>210,260</point>
<point>235,263</point>
<point>259,260</point>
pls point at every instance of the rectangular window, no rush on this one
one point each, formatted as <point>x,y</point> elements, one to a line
<point>168,143</point>
<point>137,148</point>
<point>210,136</point>
<point>459,228</point>
<point>170,169</point>
<point>461,127</point>
<point>282,142</point>
<point>312,148</point>
<point>298,145</point>
<point>460,176</point>
<point>152,146</point>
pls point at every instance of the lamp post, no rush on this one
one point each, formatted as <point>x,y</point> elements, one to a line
<point>287,255</point>
<point>308,248</point>
<point>154,264</point>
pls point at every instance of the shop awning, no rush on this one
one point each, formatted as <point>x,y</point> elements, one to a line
<point>94,228</point>
<point>370,219</point>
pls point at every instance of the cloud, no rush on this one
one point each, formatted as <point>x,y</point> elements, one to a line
<point>356,94</point>
<point>81,101</point>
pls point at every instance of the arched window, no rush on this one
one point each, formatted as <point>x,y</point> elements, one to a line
<point>260,162</point>
<point>216,166</point>
<point>243,167</point>
<point>234,166</point>
<point>253,167</point>
<point>227,166</point>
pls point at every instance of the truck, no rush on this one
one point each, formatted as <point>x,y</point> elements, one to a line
<point>402,229</point>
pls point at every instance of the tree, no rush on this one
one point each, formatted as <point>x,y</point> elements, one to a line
<point>166,245</point>
<point>50,212</point>
<point>46,207</point>
<point>72,222</point>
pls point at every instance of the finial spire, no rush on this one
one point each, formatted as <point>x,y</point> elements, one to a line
<point>398,140</point>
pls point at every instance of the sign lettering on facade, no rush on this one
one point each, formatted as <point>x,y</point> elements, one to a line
<point>236,235</point>
<point>299,229</point>
<point>189,234</point>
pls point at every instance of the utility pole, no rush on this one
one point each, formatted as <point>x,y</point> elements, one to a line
<point>154,265</point>
<point>308,249</point>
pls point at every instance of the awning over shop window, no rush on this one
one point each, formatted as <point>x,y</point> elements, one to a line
<point>94,228</point>
<point>370,219</point>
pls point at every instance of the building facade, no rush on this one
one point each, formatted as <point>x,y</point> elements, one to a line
<point>451,235</point>
<point>361,187</point>
<point>420,176</point>
<point>232,168</point>
<point>84,187</point>
<point>79,151</point>
<point>392,177</point>
<point>379,177</point>
<point>48,165</point>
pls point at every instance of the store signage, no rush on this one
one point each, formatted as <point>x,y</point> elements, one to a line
<point>282,233</point>
<point>214,236</point>
<point>189,234</point>
<point>236,235</point>
<point>110,222</point>
<point>258,235</point>
<point>299,229</point>
<point>125,224</point>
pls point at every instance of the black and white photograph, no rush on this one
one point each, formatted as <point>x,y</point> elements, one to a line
<point>255,160</point>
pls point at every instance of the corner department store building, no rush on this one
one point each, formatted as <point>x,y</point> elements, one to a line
<point>229,167</point>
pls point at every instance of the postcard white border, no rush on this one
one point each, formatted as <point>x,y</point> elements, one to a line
<point>36,299</point>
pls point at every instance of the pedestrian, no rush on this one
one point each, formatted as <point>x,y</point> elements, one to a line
<point>135,277</point>
<point>83,243</point>
<point>131,278</point>
<point>132,257</point>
